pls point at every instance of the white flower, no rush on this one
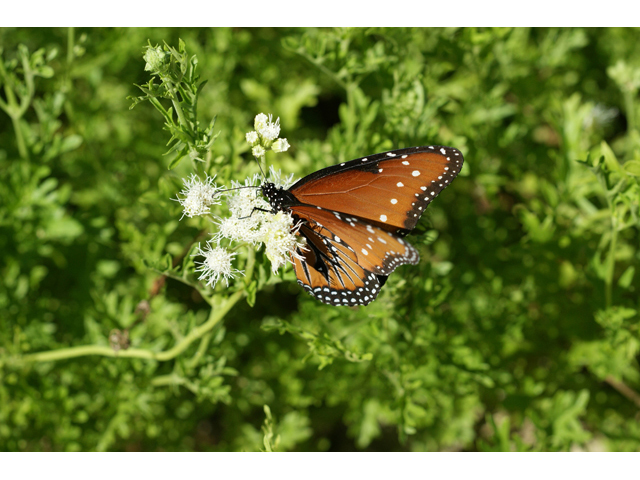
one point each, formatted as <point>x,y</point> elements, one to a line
<point>266,128</point>
<point>198,196</point>
<point>260,121</point>
<point>239,229</point>
<point>280,240</point>
<point>247,208</point>
<point>275,177</point>
<point>270,130</point>
<point>280,145</point>
<point>216,265</point>
<point>258,151</point>
<point>243,202</point>
<point>266,135</point>
<point>253,222</point>
<point>252,138</point>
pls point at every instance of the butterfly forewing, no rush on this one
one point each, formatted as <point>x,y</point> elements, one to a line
<point>391,189</point>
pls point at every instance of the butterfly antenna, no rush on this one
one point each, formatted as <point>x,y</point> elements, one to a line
<point>236,188</point>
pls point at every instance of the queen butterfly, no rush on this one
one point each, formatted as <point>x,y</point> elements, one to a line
<point>354,216</point>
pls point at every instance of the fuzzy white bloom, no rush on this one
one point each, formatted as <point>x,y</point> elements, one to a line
<point>275,177</point>
<point>216,265</point>
<point>252,138</point>
<point>280,145</point>
<point>243,202</point>
<point>252,221</point>
<point>258,151</point>
<point>278,234</point>
<point>239,229</point>
<point>198,196</point>
<point>246,206</point>
<point>266,128</point>
<point>260,122</point>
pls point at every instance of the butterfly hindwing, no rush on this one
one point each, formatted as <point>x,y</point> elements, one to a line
<point>333,270</point>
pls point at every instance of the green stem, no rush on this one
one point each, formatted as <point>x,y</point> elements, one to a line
<point>169,379</point>
<point>204,343</point>
<point>177,107</point>
<point>611,262</point>
<point>25,100</point>
<point>65,353</point>
<point>22,146</point>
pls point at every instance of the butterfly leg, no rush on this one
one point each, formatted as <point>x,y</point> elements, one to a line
<point>254,209</point>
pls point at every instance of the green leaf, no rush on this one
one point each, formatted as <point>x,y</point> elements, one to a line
<point>632,167</point>
<point>627,277</point>
<point>251,291</point>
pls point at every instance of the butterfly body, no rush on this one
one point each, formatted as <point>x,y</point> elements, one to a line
<point>354,216</point>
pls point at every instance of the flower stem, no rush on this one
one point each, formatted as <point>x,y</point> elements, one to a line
<point>215,316</point>
<point>611,262</point>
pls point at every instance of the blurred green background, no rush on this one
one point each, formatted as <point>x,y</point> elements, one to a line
<point>518,330</point>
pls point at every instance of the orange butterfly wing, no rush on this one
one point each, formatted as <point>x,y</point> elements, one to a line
<point>354,215</point>
<point>391,189</point>
<point>347,261</point>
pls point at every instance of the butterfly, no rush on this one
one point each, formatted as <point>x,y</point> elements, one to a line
<point>355,215</point>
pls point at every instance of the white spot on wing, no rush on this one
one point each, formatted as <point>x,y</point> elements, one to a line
<point>400,184</point>
<point>405,163</point>
<point>383,218</point>
<point>415,173</point>
<point>394,201</point>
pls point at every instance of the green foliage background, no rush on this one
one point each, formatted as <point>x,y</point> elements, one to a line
<point>518,330</point>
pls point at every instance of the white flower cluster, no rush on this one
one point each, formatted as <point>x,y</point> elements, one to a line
<point>252,220</point>
<point>199,196</point>
<point>265,136</point>
<point>216,264</point>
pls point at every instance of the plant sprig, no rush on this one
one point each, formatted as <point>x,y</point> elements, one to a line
<point>17,76</point>
<point>180,84</point>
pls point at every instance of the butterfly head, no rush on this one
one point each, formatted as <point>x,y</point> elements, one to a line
<point>279,198</point>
